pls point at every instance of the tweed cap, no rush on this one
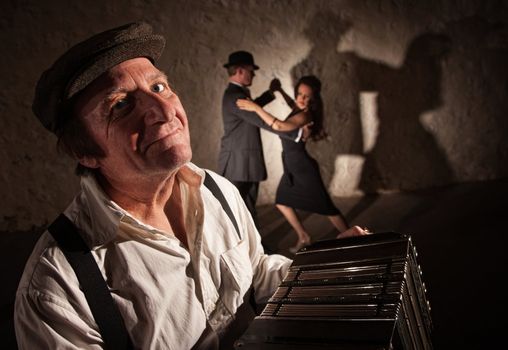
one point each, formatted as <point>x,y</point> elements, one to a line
<point>85,62</point>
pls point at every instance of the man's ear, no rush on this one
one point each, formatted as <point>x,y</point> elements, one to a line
<point>89,162</point>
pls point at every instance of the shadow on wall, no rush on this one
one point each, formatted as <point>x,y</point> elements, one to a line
<point>403,155</point>
<point>481,53</point>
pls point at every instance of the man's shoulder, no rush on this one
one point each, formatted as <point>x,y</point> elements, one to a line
<point>49,285</point>
<point>233,90</point>
<point>45,265</point>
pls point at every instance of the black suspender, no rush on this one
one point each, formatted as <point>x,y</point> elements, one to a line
<point>104,310</point>
<point>214,188</point>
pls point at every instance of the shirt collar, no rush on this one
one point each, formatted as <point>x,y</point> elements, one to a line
<point>238,84</point>
<point>98,217</point>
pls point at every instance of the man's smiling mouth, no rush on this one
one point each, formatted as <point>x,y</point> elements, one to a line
<point>144,146</point>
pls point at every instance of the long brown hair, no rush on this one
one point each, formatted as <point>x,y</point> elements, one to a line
<point>315,105</point>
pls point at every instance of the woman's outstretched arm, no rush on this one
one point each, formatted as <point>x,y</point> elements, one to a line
<point>276,86</point>
<point>300,119</point>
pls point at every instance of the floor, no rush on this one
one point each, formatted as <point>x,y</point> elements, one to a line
<point>460,234</point>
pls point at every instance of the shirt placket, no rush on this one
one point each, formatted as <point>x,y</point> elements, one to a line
<point>194,225</point>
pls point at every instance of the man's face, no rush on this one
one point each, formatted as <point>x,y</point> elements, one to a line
<point>137,120</point>
<point>247,74</point>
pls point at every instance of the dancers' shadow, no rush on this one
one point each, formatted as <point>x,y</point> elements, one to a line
<point>402,153</point>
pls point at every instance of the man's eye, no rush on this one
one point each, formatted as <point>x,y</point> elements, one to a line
<point>120,104</point>
<point>160,87</point>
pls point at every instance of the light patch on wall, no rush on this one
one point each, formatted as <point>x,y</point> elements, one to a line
<point>347,43</point>
<point>430,121</point>
<point>346,175</point>
<point>348,168</point>
<point>426,120</point>
<point>369,119</point>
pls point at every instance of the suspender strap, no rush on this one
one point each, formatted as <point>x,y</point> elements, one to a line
<point>249,300</point>
<point>94,287</point>
<point>214,188</point>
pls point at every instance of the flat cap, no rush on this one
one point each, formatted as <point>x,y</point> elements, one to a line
<point>85,62</point>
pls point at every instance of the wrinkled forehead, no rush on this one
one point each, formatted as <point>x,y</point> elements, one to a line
<point>123,76</point>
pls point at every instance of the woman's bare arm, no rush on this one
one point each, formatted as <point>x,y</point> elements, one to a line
<point>300,119</point>
<point>276,86</point>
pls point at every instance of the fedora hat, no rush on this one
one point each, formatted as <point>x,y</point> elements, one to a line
<point>85,62</point>
<point>238,58</point>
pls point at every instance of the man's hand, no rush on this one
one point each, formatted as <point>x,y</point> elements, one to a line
<point>354,231</point>
<point>275,85</point>
<point>246,105</point>
<point>306,131</point>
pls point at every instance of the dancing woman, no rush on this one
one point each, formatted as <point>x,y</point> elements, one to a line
<point>301,186</point>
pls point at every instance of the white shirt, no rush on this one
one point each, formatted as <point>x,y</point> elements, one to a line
<point>164,291</point>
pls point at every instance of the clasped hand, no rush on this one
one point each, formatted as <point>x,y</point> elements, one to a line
<point>275,85</point>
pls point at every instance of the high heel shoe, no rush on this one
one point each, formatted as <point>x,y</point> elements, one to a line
<point>299,245</point>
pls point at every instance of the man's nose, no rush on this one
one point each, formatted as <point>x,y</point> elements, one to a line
<point>156,109</point>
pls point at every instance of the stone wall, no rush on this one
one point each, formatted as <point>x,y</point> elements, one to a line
<point>414,91</point>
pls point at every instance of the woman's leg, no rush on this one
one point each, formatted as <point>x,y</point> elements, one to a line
<point>339,222</point>
<point>290,215</point>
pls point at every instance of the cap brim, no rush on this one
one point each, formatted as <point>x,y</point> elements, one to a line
<point>150,47</point>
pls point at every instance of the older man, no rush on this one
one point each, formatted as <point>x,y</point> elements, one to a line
<point>176,261</point>
<point>154,252</point>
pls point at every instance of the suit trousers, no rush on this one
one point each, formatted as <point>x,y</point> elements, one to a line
<point>249,192</point>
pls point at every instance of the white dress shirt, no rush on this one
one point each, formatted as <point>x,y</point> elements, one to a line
<point>165,292</point>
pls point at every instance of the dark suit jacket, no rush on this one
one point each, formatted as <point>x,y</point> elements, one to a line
<point>241,153</point>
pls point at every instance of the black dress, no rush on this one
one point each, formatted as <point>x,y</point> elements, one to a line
<point>301,186</point>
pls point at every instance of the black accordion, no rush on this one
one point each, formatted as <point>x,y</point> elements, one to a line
<point>354,293</point>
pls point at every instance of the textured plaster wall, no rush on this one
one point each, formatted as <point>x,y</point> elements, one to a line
<point>414,91</point>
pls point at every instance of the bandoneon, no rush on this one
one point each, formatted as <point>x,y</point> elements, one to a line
<point>354,293</point>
